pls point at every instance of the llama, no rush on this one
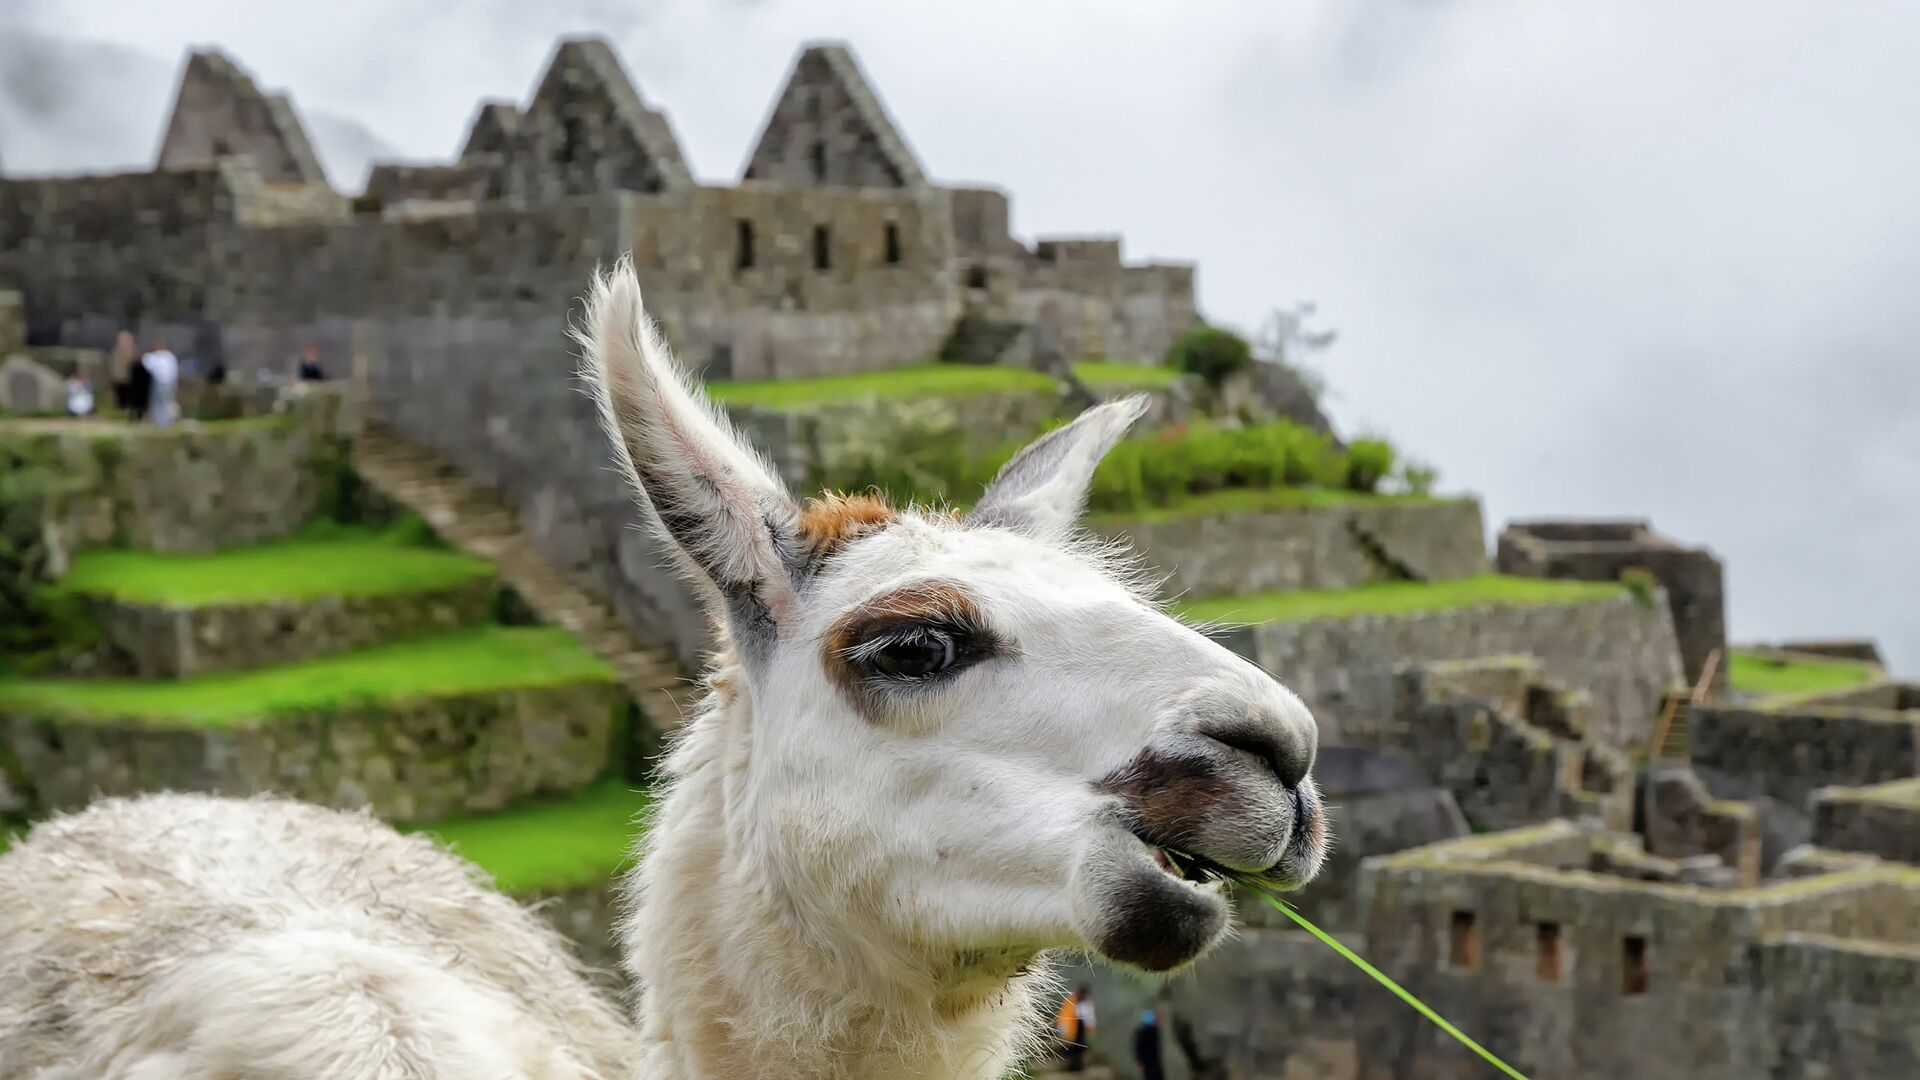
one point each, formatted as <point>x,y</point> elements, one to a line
<point>934,748</point>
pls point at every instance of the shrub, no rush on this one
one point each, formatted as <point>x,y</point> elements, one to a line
<point>1211,353</point>
<point>1369,461</point>
<point>1417,478</point>
<point>1154,470</point>
<point>1641,583</point>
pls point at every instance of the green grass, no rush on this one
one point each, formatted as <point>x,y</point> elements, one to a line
<point>465,661</point>
<point>1112,375</point>
<point>920,381</point>
<point>1757,674</point>
<point>1396,597</point>
<point>551,844</point>
<point>1253,500</point>
<point>300,569</point>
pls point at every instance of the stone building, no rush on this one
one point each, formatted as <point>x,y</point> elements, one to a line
<point>1543,942</point>
<point>834,254</point>
<point>1604,550</point>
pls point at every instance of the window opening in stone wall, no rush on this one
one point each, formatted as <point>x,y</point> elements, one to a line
<point>976,277</point>
<point>1633,973</point>
<point>743,245</point>
<point>817,153</point>
<point>822,248</point>
<point>1463,950</point>
<point>573,140</point>
<point>1551,965</point>
<point>893,244</point>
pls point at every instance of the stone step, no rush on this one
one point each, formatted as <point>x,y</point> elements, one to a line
<point>476,522</point>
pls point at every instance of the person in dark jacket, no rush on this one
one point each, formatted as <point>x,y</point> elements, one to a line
<point>139,389</point>
<point>1146,1047</point>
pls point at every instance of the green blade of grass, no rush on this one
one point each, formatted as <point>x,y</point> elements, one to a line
<point>1380,977</point>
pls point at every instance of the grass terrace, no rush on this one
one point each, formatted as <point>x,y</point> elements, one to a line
<point>1396,598</point>
<point>551,844</point>
<point>932,381</point>
<point>1255,500</point>
<point>1113,375</point>
<point>1760,673</point>
<point>469,661</point>
<point>349,563</point>
<point>919,381</point>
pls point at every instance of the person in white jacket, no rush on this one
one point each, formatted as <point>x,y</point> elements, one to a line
<point>165,369</point>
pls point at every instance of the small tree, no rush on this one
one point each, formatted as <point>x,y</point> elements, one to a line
<point>1286,340</point>
<point>1212,353</point>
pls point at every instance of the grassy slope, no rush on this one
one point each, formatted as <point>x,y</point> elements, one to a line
<point>930,380</point>
<point>1244,500</point>
<point>1396,597</point>
<point>1761,675</point>
<point>551,844</point>
<point>923,380</point>
<point>299,569</point>
<point>1111,375</point>
<point>465,661</point>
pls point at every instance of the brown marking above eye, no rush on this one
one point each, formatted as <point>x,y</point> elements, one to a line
<point>828,524</point>
<point>940,604</point>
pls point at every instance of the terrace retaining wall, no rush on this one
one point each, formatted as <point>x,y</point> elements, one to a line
<point>1620,650</point>
<point>407,760</point>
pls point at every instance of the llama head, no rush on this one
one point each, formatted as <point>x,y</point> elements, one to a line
<point>968,739</point>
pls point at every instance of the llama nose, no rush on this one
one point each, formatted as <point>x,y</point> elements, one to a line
<point>1277,730</point>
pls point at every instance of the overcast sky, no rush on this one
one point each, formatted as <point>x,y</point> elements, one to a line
<point>1607,258</point>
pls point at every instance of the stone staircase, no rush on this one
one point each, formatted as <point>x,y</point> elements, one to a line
<point>475,521</point>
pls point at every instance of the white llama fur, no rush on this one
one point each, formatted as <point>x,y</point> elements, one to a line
<point>185,937</point>
<point>850,874</point>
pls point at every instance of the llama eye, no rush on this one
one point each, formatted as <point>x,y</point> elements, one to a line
<point>919,655</point>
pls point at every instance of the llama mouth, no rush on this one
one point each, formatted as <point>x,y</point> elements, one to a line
<point>1191,869</point>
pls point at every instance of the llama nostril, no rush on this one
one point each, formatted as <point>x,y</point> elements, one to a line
<point>1288,759</point>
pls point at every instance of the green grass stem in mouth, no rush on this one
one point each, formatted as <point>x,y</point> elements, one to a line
<point>1376,974</point>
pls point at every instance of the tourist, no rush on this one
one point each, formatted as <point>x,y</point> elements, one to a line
<point>164,369</point>
<point>1146,1047</point>
<point>79,396</point>
<point>126,354</point>
<point>1074,1025</point>
<point>310,369</point>
<point>139,389</point>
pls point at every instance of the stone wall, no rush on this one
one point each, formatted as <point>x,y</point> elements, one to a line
<point>1620,651</point>
<point>1319,547</point>
<point>1787,751</point>
<point>1603,550</point>
<point>409,760</point>
<point>828,128</point>
<point>157,641</point>
<point>1511,747</point>
<point>218,113</point>
<point>1572,974</point>
<point>587,130</point>
<point>1081,310</point>
<point>181,489</point>
<point>1882,820</point>
<point>1681,818</point>
<point>13,322</point>
<point>67,244</point>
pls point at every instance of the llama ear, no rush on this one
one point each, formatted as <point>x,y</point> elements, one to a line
<point>1044,488</point>
<point>709,491</point>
